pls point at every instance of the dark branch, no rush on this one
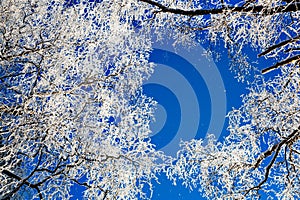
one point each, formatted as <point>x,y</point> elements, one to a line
<point>8,173</point>
<point>284,62</point>
<point>25,180</point>
<point>275,148</point>
<point>279,45</point>
<point>251,9</point>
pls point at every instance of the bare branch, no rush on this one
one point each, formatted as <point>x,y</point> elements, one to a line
<point>281,63</point>
<point>252,9</point>
<point>8,173</point>
<point>279,45</point>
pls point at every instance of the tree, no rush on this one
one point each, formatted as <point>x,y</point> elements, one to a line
<point>261,154</point>
<point>72,111</point>
<point>269,27</point>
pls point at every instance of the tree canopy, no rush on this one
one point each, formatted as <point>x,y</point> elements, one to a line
<point>71,107</point>
<point>73,111</point>
<point>260,157</point>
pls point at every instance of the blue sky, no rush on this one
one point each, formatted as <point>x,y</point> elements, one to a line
<point>164,96</point>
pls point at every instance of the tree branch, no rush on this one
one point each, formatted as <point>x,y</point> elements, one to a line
<point>269,152</point>
<point>252,9</point>
<point>25,180</point>
<point>8,173</point>
<point>279,45</point>
<point>284,62</point>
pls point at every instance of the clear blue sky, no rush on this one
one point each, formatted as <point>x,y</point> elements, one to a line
<point>165,190</point>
